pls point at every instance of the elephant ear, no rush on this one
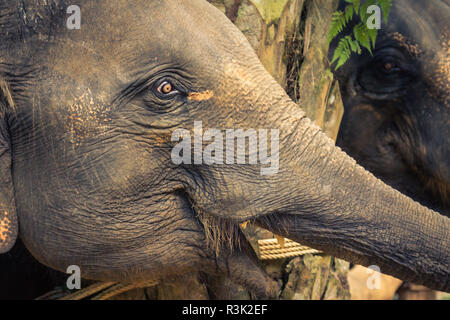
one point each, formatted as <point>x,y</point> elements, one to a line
<point>8,216</point>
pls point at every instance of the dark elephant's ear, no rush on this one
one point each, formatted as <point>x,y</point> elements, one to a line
<point>8,217</point>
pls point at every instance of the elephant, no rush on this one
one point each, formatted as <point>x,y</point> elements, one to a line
<point>90,120</point>
<point>397,99</point>
<point>396,102</point>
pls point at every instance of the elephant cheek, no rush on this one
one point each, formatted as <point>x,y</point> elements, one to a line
<point>361,127</point>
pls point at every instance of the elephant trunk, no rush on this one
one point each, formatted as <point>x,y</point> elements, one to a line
<point>322,198</point>
<point>338,207</point>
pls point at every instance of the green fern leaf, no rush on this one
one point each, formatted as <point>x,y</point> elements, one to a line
<point>342,53</point>
<point>373,36</point>
<point>338,24</point>
<point>361,33</point>
<point>363,36</point>
<point>385,6</point>
<point>356,4</point>
<point>349,11</point>
<point>363,10</point>
<point>354,45</point>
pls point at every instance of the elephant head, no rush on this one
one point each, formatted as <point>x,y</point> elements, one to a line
<point>396,121</point>
<point>92,127</point>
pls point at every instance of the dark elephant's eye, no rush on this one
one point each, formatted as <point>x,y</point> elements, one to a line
<point>388,72</point>
<point>165,89</point>
<point>389,66</point>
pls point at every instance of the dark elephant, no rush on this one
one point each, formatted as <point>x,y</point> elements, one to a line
<point>397,103</point>
<point>88,176</point>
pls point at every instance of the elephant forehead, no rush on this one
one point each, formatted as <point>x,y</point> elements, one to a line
<point>118,43</point>
<point>436,63</point>
<point>412,47</point>
<point>420,24</point>
<point>422,28</point>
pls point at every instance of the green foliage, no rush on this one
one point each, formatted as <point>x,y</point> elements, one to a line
<point>361,35</point>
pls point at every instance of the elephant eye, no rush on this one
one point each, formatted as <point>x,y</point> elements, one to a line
<point>389,63</point>
<point>165,89</point>
<point>390,67</point>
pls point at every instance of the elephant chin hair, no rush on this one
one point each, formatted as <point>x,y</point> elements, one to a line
<point>220,233</point>
<point>226,234</point>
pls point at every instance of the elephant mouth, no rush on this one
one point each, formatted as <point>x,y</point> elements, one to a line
<point>223,234</point>
<point>428,183</point>
<point>220,233</point>
<point>435,185</point>
<point>232,254</point>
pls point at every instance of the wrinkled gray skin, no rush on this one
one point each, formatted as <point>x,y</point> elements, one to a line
<point>397,103</point>
<point>86,143</point>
